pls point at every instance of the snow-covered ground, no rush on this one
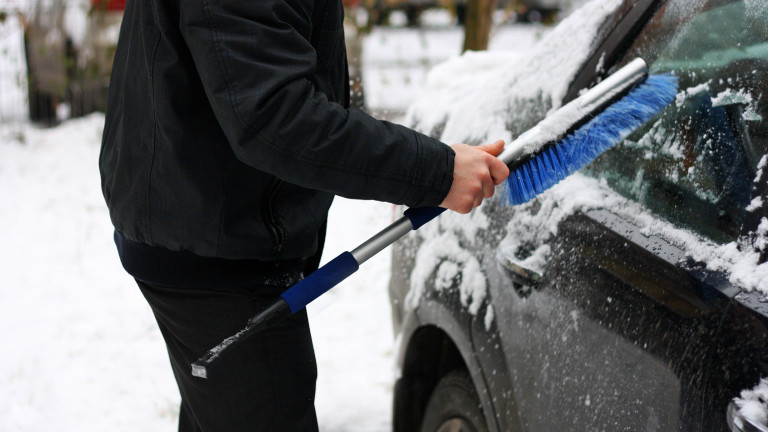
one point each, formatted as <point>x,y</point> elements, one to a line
<point>81,351</point>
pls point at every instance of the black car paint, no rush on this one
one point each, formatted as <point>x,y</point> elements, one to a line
<point>691,340</point>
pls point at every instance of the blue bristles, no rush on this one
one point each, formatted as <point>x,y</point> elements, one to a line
<point>558,160</point>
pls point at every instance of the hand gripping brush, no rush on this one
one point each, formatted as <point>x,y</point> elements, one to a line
<point>559,145</point>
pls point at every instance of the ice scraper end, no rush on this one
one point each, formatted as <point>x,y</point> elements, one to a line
<point>199,371</point>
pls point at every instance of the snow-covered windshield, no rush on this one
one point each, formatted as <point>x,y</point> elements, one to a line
<point>704,152</point>
<point>483,96</point>
<point>696,164</point>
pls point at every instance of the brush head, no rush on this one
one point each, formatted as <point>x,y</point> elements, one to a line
<point>538,171</point>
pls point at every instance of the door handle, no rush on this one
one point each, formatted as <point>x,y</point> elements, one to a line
<point>524,280</point>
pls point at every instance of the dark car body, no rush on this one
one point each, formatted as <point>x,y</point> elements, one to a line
<point>632,298</point>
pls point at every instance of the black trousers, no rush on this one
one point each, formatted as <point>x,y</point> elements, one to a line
<point>266,383</point>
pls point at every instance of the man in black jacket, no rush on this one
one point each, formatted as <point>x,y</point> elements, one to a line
<point>227,135</point>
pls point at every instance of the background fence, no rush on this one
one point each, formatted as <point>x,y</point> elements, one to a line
<point>56,57</point>
<point>13,69</point>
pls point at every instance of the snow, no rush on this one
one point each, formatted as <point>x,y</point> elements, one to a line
<point>13,77</point>
<point>740,96</point>
<point>480,97</point>
<point>83,351</point>
<point>396,61</point>
<point>756,8</point>
<point>753,403</point>
<point>475,93</point>
<point>444,252</point>
<point>75,20</point>
<point>580,193</point>
<point>81,347</point>
<point>483,96</point>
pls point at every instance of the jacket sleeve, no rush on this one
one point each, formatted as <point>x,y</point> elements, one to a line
<point>256,61</point>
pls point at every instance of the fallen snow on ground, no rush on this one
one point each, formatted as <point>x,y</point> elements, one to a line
<point>81,348</point>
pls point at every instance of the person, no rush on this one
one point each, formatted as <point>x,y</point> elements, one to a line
<point>227,134</point>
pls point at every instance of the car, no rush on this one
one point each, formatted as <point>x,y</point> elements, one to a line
<point>69,50</point>
<point>631,296</point>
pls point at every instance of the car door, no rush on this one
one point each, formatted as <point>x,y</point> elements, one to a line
<point>611,292</point>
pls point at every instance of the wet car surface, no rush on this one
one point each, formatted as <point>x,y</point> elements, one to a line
<point>629,297</point>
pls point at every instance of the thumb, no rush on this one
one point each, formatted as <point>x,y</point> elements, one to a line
<point>494,149</point>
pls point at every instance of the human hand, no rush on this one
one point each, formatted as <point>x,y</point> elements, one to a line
<point>476,172</point>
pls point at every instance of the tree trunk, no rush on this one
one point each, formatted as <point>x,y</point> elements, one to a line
<point>478,23</point>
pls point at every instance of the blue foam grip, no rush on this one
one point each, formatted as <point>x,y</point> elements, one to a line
<point>320,281</point>
<point>421,215</point>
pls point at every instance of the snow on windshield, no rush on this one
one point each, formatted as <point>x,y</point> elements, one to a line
<point>480,97</point>
<point>483,96</point>
<point>470,99</point>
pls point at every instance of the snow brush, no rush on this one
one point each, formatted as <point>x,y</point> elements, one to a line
<point>559,145</point>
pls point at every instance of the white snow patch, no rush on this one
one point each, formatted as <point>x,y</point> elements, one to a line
<point>753,403</point>
<point>732,97</point>
<point>475,91</point>
<point>756,8</point>
<point>534,223</point>
<point>85,350</point>
<point>75,21</point>
<point>490,315</point>
<point>689,92</point>
<point>396,62</point>
<point>581,193</point>
<point>755,204</point>
<point>452,266</point>
<point>13,70</point>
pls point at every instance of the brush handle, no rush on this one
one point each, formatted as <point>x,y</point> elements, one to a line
<point>421,215</point>
<point>331,274</point>
<point>318,282</point>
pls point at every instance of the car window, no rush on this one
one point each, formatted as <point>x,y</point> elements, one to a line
<point>694,164</point>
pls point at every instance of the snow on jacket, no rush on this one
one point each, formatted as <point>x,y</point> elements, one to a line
<point>228,130</point>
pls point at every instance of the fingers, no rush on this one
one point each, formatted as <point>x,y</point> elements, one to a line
<point>488,186</point>
<point>476,173</point>
<point>499,170</point>
<point>494,149</point>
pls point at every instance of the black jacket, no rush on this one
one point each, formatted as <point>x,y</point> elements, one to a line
<point>227,130</point>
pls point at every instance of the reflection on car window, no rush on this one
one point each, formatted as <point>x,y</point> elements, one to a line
<point>695,163</point>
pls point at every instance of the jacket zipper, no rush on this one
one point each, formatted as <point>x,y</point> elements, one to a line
<point>271,219</point>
